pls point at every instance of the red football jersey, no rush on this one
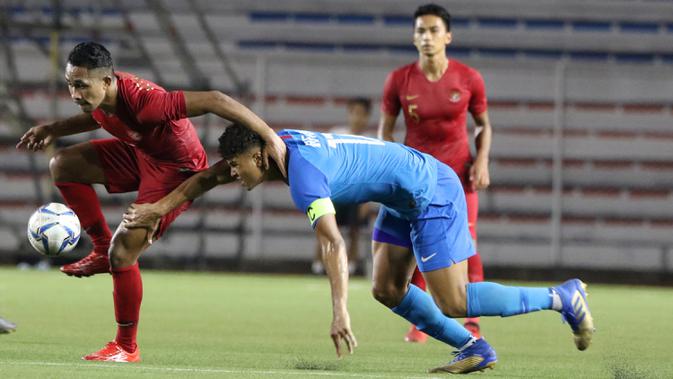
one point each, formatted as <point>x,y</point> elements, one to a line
<point>155,122</point>
<point>435,113</point>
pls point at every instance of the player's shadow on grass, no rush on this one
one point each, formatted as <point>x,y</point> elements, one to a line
<point>316,365</point>
<point>624,370</point>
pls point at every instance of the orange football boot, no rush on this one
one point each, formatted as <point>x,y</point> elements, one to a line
<point>415,336</point>
<point>113,352</point>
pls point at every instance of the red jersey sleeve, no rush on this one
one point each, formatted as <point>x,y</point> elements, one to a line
<point>478,104</point>
<point>390,103</point>
<point>156,107</point>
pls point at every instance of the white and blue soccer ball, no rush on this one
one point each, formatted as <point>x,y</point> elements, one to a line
<point>53,229</point>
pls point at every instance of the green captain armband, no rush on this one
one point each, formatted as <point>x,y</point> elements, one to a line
<point>319,208</point>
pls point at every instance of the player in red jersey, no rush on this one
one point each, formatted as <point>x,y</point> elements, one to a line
<point>435,94</point>
<point>154,150</point>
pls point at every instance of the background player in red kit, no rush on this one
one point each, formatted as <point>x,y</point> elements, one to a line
<point>435,94</point>
<point>154,150</point>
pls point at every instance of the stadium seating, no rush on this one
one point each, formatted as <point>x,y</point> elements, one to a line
<point>603,75</point>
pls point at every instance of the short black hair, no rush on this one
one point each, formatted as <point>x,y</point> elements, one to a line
<point>236,139</point>
<point>90,55</point>
<point>435,10</point>
<point>365,102</point>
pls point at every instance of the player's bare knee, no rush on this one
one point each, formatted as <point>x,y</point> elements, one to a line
<point>119,256</point>
<point>118,259</point>
<point>65,166</point>
<point>388,294</point>
<point>58,166</point>
<point>126,246</point>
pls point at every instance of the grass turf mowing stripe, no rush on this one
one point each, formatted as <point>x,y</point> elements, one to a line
<point>257,326</point>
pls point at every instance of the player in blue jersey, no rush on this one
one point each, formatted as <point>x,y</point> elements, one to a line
<point>423,213</point>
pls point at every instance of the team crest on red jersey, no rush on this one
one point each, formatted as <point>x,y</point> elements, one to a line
<point>454,96</point>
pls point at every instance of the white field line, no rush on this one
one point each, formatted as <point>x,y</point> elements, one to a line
<point>202,370</point>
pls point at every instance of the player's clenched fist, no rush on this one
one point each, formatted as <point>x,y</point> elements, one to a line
<point>36,138</point>
<point>341,331</point>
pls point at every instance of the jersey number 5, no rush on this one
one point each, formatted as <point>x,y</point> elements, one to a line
<point>411,109</point>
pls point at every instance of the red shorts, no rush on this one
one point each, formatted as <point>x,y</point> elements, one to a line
<point>126,169</point>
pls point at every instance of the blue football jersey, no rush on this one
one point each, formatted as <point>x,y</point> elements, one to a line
<point>352,169</point>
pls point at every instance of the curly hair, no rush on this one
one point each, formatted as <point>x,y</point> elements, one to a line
<point>236,139</point>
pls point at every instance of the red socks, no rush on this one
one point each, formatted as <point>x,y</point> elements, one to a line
<point>128,285</point>
<point>418,280</point>
<point>82,199</point>
<point>475,270</point>
<point>475,273</point>
<point>128,294</point>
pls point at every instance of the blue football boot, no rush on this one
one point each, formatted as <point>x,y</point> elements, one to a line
<point>576,311</point>
<point>479,356</point>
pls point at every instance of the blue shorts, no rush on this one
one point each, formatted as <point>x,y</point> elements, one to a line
<point>439,236</point>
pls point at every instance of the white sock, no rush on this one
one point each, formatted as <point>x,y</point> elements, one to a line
<point>468,344</point>
<point>555,300</point>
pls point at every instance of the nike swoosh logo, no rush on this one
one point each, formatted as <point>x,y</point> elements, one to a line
<point>412,97</point>
<point>425,259</point>
<point>119,357</point>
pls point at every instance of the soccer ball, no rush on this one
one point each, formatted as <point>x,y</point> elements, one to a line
<point>53,229</point>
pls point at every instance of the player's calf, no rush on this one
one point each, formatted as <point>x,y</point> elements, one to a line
<point>127,245</point>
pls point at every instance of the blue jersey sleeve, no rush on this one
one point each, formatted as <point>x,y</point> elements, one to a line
<point>307,182</point>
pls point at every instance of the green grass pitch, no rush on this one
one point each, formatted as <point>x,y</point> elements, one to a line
<point>207,325</point>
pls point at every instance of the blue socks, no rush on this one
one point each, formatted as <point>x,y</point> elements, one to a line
<point>419,309</point>
<point>483,299</point>
<point>492,299</point>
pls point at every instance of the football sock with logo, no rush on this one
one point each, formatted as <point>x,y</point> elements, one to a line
<point>128,294</point>
<point>493,299</point>
<point>419,309</point>
<point>82,199</point>
<point>418,280</point>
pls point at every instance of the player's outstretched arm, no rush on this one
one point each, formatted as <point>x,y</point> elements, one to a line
<point>479,175</point>
<point>386,127</point>
<point>199,103</point>
<point>41,136</point>
<point>335,260</point>
<point>147,215</point>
